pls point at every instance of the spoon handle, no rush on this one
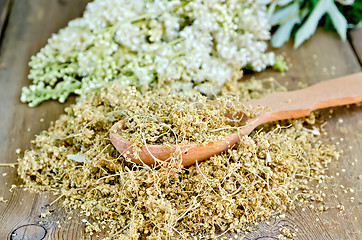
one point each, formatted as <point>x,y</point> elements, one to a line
<point>294,104</point>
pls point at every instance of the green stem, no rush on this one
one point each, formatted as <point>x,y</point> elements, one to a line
<point>144,16</point>
<point>8,164</point>
<point>173,42</point>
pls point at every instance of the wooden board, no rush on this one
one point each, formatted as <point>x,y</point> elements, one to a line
<point>355,36</point>
<point>30,25</point>
<point>5,6</point>
<point>323,57</point>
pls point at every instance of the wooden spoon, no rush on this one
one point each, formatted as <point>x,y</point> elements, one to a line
<point>281,105</point>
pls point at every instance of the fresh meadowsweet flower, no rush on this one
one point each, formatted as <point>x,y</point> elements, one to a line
<point>192,46</point>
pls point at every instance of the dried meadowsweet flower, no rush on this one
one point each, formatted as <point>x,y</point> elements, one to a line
<point>178,119</point>
<point>270,168</point>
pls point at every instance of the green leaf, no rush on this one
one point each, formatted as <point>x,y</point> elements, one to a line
<point>282,35</point>
<point>284,2</point>
<point>303,14</point>
<point>264,2</point>
<point>271,9</point>
<point>309,27</point>
<point>285,14</point>
<point>338,20</point>
<point>284,30</point>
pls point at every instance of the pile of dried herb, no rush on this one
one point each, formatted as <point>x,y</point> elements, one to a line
<point>75,159</point>
<point>155,118</point>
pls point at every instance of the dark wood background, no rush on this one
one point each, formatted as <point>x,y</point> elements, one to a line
<point>26,25</point>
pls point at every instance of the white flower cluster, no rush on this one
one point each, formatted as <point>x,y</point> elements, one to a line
<point>189,45</point>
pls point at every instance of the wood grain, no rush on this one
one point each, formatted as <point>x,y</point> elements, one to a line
<point>355,36</point>
<point>31,23</point>
<point>322,57</point>
<point>5,6</point>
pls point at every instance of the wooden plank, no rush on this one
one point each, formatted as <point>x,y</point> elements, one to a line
<point>5,6</point>
<point>32,22</point>
<point>355,36</point>
<point>323,57</point>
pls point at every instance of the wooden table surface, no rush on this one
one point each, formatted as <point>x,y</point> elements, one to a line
<point>26,25</point>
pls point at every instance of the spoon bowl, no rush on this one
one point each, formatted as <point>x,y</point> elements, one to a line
<point>189,153</point>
